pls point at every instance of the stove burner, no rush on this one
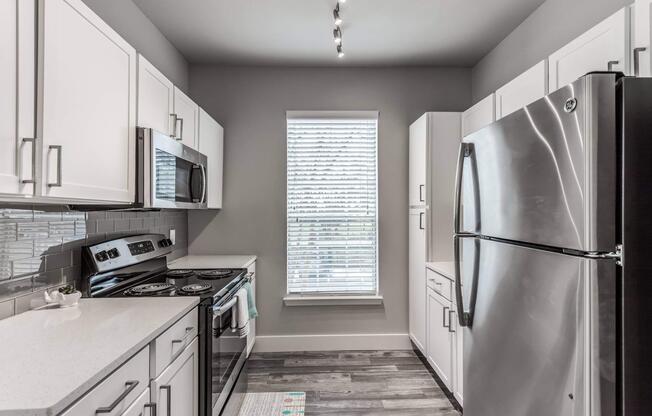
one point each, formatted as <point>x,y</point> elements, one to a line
<point>179,273</point>
<point>196,288</point>
<point>213,274</point>
<point>149,289</point>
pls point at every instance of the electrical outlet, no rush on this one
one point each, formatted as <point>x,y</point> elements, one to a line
<point>173,236</point>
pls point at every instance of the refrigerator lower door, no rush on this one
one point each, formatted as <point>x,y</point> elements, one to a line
<point>542,340</point>
<point>547,174</point>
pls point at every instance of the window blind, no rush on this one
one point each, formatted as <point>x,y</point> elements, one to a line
<point>332,204</point>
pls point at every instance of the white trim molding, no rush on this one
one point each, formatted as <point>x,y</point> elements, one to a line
<point>334,342</point>
<point>367,300</point>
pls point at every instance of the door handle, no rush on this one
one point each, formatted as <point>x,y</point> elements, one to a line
<point>611,64</point>
<point>168,406</point>
<point>130,386</point>
<point>174,125</point>
<point>450,320</point>
<point>421,197</point>
<point>152,408</point>
<point>180,128</point>
<point>443,317</point>
<point>421,218</point>
<point>637,60</point>
<point>59,150</point>
<point>31,140</point>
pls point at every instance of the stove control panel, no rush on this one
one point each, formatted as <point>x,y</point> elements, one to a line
<point>126,251</point>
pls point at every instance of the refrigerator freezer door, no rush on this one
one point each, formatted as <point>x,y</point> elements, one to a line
<point>542,338</point>
<point>546,174</point>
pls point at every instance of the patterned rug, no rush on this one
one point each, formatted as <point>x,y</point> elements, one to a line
<point>274,404</point>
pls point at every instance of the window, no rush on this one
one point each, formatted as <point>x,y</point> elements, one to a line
<point>332,226</point>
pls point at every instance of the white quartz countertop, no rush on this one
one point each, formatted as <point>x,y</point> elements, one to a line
<point>444,268</point>
<point>51,357</point>
<point>213,262</point>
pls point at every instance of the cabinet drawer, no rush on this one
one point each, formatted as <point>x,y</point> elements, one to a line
<point>114,395</point>
<point>170,343</point>
<point>439,284</point>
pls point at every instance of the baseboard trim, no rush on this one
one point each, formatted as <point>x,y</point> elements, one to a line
<point>332,342</point>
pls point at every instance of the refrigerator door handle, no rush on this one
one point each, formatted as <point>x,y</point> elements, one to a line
<point>465,317</point>
<point>466,150</point>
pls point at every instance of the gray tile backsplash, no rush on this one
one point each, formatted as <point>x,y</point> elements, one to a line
<point>42,250</point>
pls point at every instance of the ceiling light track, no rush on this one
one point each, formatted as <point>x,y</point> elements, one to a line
<point>337,32</point>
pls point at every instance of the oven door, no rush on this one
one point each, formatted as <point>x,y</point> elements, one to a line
<point>177,174</point>
<point>229,356</point>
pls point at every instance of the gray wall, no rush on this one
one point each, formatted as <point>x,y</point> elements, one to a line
<point>130,22</point>
<point>251,104</point>
<point>552,25</point>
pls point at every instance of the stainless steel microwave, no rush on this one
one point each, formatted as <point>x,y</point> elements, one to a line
<point>170,174</point>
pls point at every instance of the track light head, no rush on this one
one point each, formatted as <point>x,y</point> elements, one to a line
<point>341,1</point>
<point>340,52</point>
<point>336,15</point>
<point>337,36</point>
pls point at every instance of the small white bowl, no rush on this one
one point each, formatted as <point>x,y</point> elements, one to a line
<point>64,301</point>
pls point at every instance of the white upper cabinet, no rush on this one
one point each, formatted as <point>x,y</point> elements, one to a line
<point>418,159</point>
<point>17,96</point>
<point>523,90</point>
<point>480,115</point>
<point>604,47</point>
<point>211,143</point>
<point>186,119</point>
<point>641,55</point>
<point>88,100</point>
<point>155,98</point>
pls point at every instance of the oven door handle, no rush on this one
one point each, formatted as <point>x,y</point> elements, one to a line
<point>221,310</point>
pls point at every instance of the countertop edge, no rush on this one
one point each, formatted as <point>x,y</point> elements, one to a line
<point>436,267</point>
<point>79,392</point>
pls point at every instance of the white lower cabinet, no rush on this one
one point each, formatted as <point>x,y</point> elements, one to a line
<point>458,374</point>
<point>114,395</point>
<point>417,277</point>
<point>142,406</point>
<point>441,339</point>
<point>176,390</point>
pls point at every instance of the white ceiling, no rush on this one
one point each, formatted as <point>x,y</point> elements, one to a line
<point>299,32</point>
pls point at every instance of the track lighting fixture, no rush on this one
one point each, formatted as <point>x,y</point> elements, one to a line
<point>340,52</point>
<point>336,15</point>
<point>337,35</point>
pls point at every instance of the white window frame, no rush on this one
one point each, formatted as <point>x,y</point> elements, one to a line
<point>310,299</point>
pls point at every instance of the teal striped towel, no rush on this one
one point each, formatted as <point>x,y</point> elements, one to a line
<point>253,312</point>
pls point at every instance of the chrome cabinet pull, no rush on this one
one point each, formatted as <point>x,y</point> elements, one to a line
<point>130,386</point>
<point>31,140</point>
<point>59,150</point>
<point>611,64</point>
<point>174,125</point>
<point>450,320</point>
<point>152,408</point>
<point>637,60</point>
<point>421,226</point>
<point>181,341</point>
<point>180,129</point>
<point>168,389</point>
<point>421,197</point>
<point>443,316</point>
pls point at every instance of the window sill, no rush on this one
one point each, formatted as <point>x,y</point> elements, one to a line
<point>368,300</point>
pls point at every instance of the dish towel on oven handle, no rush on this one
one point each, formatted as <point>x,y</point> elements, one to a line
<point>253,312</point>
<point>240,319</point>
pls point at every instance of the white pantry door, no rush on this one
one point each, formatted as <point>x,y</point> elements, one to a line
<point>89,106</point>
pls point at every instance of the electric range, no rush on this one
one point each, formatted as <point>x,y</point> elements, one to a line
<point>136,266</point>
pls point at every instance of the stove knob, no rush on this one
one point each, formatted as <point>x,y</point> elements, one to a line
<point>162,243</point>
<point>113,253</point>
<point>169,242</point>
<point>101,256</point>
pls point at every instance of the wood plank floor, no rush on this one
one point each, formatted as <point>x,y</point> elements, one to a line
<point>356,383</point>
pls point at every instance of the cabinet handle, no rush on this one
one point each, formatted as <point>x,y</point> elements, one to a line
<point>168,388</point>
<point>31,140</point>
<point>152,408</point>
<point>450,321</point>
<point>185,337</point>
<point>610,65</point>
<point>443,316</point>
<point>637,60</point>
<point>421,197</point>
<point>59,150</point>
<point>421,226</point>
<point>174,124</point>
<point>180,129</point>
<point>130,386</point>
<point>204,179</point>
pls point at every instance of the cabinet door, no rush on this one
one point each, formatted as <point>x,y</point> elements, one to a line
<point>155,98</point>
<point>211,143</point>
<point>440,339</point>
<point>480,115</point>
<point>458,372</point>
<point>186,128</point>
<point>17,96</point>
<point>418,153</point>
<point>603,47</point>
<point>522,90</point>
<point>88,98</point>
<point>141,407</point>
<point>417,277</point>
<point>641,39</point>
<point>175,391</point>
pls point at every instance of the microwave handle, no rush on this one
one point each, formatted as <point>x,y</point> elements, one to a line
<point>203,187</point>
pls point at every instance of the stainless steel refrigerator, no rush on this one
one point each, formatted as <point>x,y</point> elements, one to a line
<point>551,222</point>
